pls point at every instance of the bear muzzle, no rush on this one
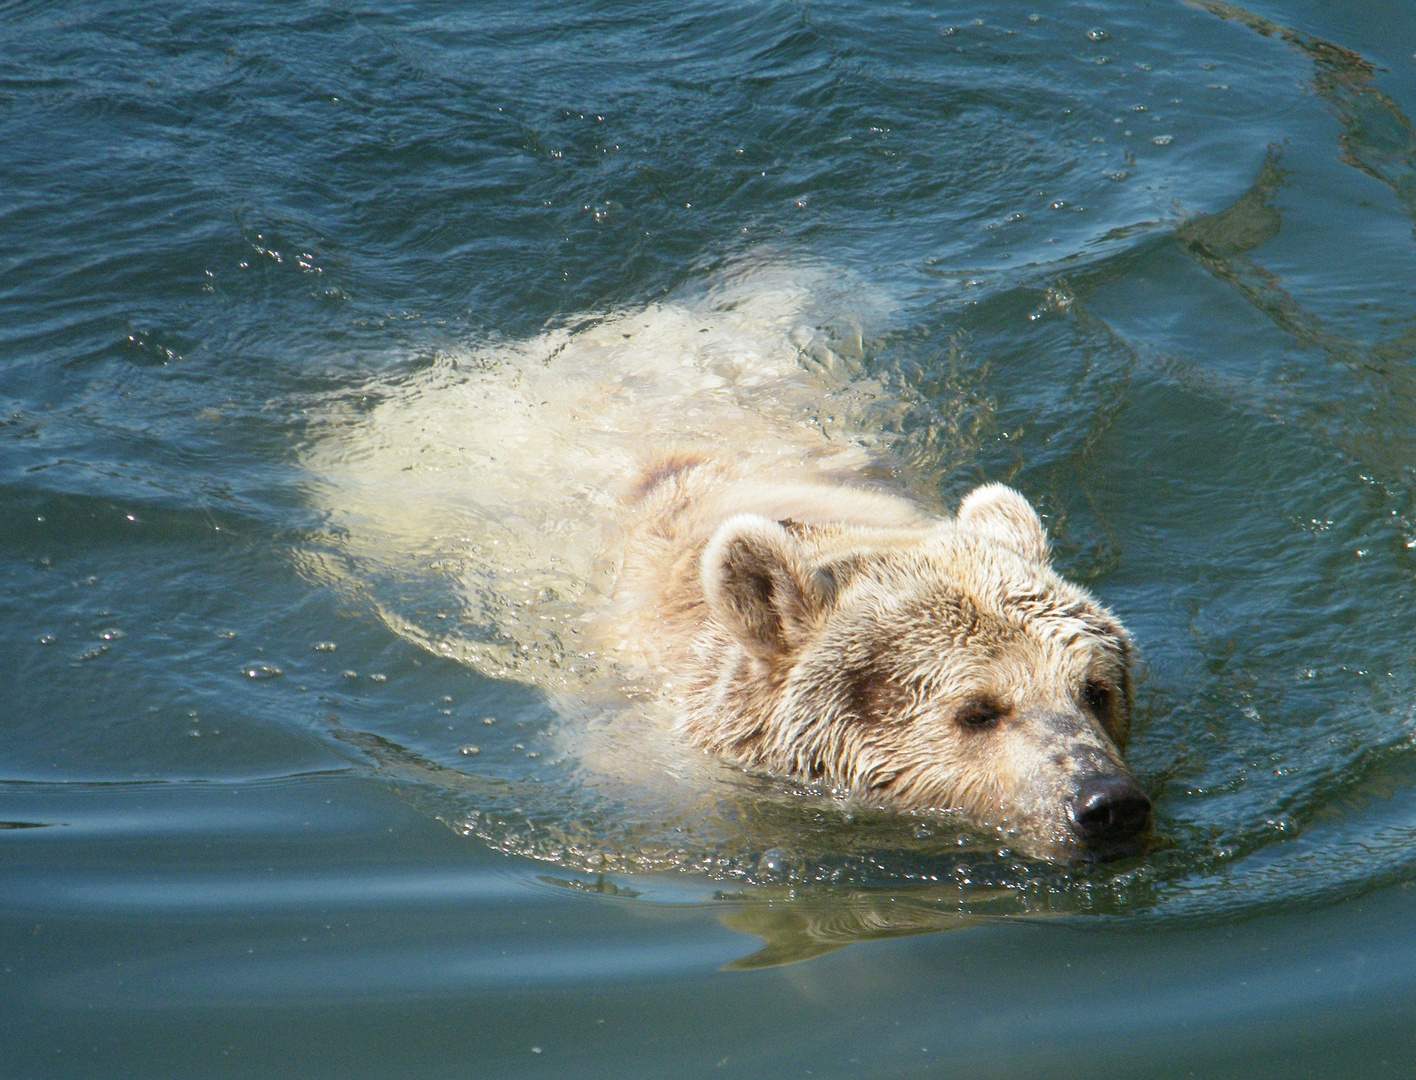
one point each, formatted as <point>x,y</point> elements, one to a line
<point>1107,809</point>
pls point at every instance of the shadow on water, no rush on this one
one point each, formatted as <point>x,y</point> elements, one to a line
<point>1377,137</point>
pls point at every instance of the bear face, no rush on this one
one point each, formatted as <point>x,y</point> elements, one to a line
<point>947,667</point>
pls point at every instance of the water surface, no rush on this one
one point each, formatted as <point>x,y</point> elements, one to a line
<point>1151,263</point>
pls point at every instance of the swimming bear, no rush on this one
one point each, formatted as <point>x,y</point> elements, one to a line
<point>836,634</point>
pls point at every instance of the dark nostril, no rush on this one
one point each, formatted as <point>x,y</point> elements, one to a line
<point>1109,808</point>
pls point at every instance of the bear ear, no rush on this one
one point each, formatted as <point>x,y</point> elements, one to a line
<point>1004,516</point>
<point>757,582</point>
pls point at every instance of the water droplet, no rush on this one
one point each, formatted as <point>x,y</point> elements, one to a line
<point>775,862</point>
<point>1097,34</point>
<point>262,671</point>
<point>470,751</point>
<point>325,646</point>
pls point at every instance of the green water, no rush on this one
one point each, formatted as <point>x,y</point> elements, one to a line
<point>1151,263</point>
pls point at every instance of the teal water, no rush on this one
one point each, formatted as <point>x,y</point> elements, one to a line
<point>1152,263</point>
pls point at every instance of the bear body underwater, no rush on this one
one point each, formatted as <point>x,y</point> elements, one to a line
<point>832,632</point>
<point>675,521</point>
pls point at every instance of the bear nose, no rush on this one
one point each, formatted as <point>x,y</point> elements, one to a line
<point>1108,808</point>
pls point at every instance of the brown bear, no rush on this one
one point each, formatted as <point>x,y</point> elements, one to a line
<point>671,519</point>
<point>833,633</point>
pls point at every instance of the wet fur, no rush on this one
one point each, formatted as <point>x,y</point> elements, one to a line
<point>833,632</point>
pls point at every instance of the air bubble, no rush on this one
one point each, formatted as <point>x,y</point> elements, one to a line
<point>775,862</point>
<point>1097,34</point>
<point>470,751</point>
<point>261,671</point>
<point>47,639</point>
<point>325,646</point>
<point>378,678</point>
<point>349,674</point>
<point>1163,140</point>
<point>111,634</point>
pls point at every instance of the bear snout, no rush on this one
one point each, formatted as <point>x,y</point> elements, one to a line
<point>1108,808</point>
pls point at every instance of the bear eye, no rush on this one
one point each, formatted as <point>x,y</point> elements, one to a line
<point>979,715</point>
<point>1097,696</point>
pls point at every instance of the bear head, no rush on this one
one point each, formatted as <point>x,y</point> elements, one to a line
<point>946,668</point>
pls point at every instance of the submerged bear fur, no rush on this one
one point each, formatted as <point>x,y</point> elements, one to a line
<point>834,633</point>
